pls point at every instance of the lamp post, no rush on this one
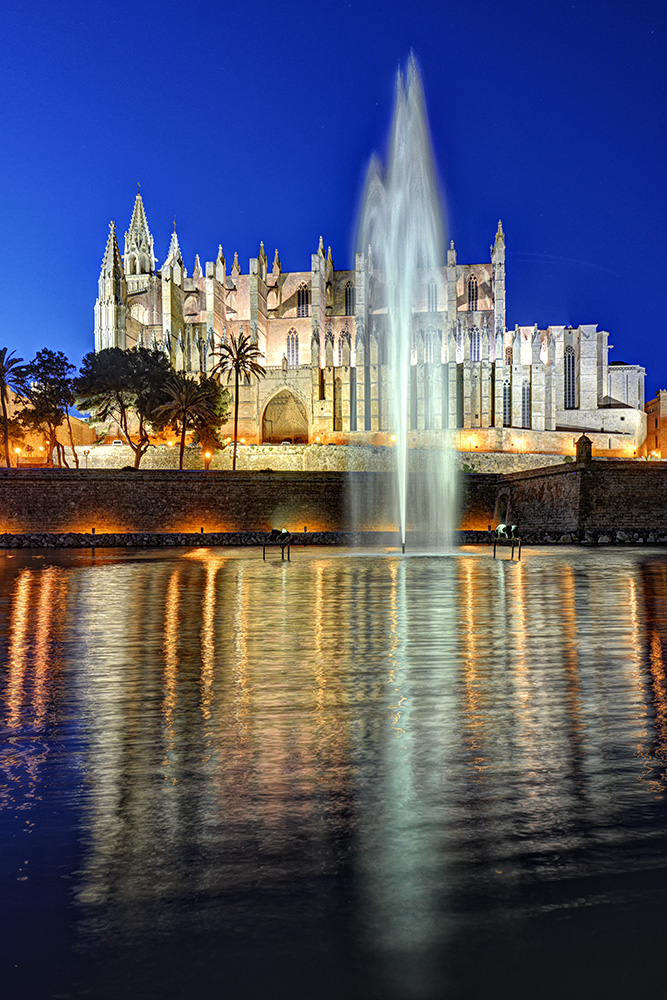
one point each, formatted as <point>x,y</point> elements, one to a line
<point>86,453</point>
<point>207,459</point>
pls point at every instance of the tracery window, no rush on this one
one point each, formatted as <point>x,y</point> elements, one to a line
<point>292,349</point>
<point>507,403</point>
<point>349,299</point>
<point>525,404</point>
<point>475,345</point>
<point>303,301</point>
<point>472,293</point>
<point>508,355</point>
<point>432,296</point>
<point>568,378</point>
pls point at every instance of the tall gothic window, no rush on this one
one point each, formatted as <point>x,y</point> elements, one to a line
<point>431,344</point>
<point>303,301</point>
<point>508,355</point>
<point>349,299</point>
<point>525,404</point>
<point>432,296</point>
<point>569,386</point>
<point>340,350</point>
<point>507,403</point>
<point>475,345</point>
<point>293,349</point>
<point>472,293</point>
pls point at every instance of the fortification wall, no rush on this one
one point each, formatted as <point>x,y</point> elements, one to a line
<point>56,500</point>
<point>603,496</point>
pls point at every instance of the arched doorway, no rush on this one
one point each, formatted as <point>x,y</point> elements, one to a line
<point>285,419</point>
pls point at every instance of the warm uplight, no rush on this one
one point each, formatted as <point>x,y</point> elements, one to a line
<point>207,454</point>
<point>241,440</point>
<point>392,438</point>
<point>17,450</point>
<point>170,444</point>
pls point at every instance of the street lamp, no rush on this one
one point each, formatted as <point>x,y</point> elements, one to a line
<point>86,453</point>
<point>207,459</point>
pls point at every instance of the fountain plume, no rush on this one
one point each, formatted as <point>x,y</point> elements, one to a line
<point>401,221</point>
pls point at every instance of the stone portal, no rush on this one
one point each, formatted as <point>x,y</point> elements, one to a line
<point>285,419</point>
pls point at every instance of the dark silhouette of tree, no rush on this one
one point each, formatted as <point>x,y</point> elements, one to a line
<point>188,402</point>
<point>239,358</point>
<point>10,378</point>
<point>128,387</point>
<point>206,431</point>
<point>46,398</point>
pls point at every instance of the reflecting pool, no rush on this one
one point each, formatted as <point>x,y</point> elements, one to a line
<point>348,775</point>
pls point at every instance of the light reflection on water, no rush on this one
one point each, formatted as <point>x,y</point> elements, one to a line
<point>360,770</point>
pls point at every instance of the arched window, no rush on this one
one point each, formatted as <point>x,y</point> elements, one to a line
<point>472,293</point>
<point>568,377</point>
<point>525,404</point>
<point>303,301</point>
<point>349,299</point>
<point>508,355</point>
<point>432,296</point>
<point>507,404</point>
<point>475,345</point>
<point>292,349</point>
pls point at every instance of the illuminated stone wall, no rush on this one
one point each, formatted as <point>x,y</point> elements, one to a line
<point>57,500</point>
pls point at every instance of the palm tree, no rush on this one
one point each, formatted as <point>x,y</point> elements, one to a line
<point>10,378</point>
<point>188,400</point>
<point>239,357</point>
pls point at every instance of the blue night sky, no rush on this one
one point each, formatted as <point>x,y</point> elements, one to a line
<point>255,122</point>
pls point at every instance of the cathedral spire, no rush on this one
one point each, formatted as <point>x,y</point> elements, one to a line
<point>139,256</point>
<point>174,256</point>
<point>112,265</point>
<point>500,236</point>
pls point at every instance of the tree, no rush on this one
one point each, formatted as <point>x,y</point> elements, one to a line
<point>206,431</point>
<point>128,387</point>
<point>239,357</point>
<point>46,397</point>
<point>188,401</point>
<point>10,378</point>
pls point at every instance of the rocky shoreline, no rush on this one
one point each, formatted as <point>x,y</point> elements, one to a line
<point>351,539</point>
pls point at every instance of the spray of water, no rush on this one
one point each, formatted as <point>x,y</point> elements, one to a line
<point>401,223</point>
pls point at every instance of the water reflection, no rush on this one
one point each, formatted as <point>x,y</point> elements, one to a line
<point>351,750</point>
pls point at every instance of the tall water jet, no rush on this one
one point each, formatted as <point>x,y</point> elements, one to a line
<point>401,229</point>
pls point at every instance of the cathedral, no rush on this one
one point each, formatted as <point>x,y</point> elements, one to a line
<point>322,335</point>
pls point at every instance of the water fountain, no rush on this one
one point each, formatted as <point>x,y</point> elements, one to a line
<point>401,223</point>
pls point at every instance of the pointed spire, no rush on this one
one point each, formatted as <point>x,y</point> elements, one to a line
<point>320,248</point>
<point>112,265</point>
<point>174,255</point>
<point>262,254</point>
<point>220,259</point>
<point>500,236</point>
<point>236,267</point>
<point>197,271</point>
<point>139,254</point>
<point>276,263</point>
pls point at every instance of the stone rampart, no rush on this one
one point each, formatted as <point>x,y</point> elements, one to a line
<point>57,500</point>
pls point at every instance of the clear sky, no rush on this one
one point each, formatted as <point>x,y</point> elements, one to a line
<point>251,122</point>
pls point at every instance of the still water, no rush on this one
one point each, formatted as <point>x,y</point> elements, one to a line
<point>349,775</point>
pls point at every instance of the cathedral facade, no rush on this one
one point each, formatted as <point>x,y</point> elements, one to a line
<point>322,333</point>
